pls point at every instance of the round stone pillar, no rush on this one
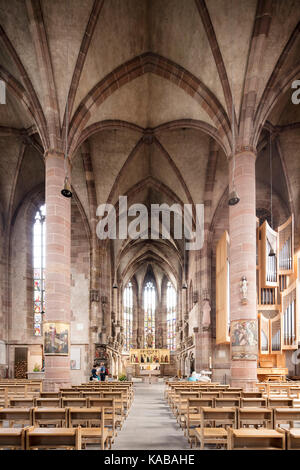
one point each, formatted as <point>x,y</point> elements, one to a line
<point>58,267</point>
<point>243,315</point>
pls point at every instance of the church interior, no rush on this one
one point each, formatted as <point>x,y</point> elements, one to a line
<point>120,108</point>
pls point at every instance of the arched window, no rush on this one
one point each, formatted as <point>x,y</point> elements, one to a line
<point>128,316</point>
<point>171,316</point>
<point>39,258</point>
<point>149,314</point>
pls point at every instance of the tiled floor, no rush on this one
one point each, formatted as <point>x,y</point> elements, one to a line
<point>150,423</point>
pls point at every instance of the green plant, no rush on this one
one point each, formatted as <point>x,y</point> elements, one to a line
<point>36,368</point>
<point>122,377</point>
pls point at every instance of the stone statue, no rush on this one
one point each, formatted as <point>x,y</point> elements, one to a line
<point>244,289</point>
<point>149,340</point>
<point>206,308</point>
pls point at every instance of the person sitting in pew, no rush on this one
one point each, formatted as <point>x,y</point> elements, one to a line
<point>94,377</point>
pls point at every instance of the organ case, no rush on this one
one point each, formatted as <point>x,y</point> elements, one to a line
<point>222,290</point>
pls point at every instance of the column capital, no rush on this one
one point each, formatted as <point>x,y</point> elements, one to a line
<point>54,153</point>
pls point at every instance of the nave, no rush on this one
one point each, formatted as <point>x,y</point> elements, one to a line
<point>150,424</point>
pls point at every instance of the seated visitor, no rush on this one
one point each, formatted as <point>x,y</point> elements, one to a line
<point>193,377</point>
<point>202,377</point>
<point>94,375</point>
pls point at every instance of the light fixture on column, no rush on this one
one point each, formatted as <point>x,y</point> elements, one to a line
<point>66,191</point>
<point>271,252</point>
<point>233,198</point>
<point>115,285</point>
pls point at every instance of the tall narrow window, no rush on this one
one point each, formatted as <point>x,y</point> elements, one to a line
<point>128,316</point>
<point>171,316</point>
<point>39,257</point>
<point>149,315</point>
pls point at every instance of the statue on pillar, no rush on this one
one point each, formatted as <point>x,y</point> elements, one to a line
<point>206,308</point>
<point>149,340</point>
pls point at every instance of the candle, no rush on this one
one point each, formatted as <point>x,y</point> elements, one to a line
<point>210,364</point>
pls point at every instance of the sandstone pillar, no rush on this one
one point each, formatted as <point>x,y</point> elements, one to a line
<point>243,317</point>
<point>58,265</point>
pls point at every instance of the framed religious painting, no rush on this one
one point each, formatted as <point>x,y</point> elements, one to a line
<point>244,340</point>
<point>56,338</point>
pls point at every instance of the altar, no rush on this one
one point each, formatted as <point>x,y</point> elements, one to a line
<point>148,362</point>
<point>150,372</point>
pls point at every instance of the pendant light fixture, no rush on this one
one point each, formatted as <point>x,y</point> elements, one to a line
<point>66,191</point>
<point>233,198</point>
<point>271,252</point>
<point>233,195</point>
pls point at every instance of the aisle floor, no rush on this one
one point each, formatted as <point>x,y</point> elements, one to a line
<point>150,423</point>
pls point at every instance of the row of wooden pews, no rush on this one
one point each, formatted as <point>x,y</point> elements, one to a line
<point>69,419</point>
<point>229,417</point>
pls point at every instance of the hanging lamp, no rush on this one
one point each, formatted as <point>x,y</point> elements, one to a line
<point>233,198</point>
<point>67,191</point>
<point>271,252</point>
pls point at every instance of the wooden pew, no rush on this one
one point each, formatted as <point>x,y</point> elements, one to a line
<point>226,402</point>
<point>21,402</point>
<point>251,395</point>
<point>72,394</point>
<point>211,418</point>
<point>74,402</point>
<point>111,419</point>
<point>231,394</point>
<point>256,402</point>
<point>48,402</point>
<point>192,418</point>
<point>280,402</point>
<point>255,439</point>
<point>121,406</point>
<point>12,438</point>
<point>293,439</point>
<point>50,394</point>
<point>286,416</point>
<point>210,394</point>
<point>57,417</point>
<point>53,438</point>
<point>21,416</point>
<point>255,417</point>
<point>79,416</point>
<point>180,405</point>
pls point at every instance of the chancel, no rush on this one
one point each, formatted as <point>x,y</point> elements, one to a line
<point>149,224</point>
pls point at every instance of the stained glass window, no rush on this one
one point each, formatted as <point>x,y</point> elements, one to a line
<point>39,257</point>
<point>149,315</point>
<point>171,316</point>
<point>128,316</point>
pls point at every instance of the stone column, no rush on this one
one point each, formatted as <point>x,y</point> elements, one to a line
<point>58,265</point>
<point>243,317</point>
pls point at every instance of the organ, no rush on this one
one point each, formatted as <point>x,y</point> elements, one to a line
<point>277,289</point>
<point>277,293</point>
